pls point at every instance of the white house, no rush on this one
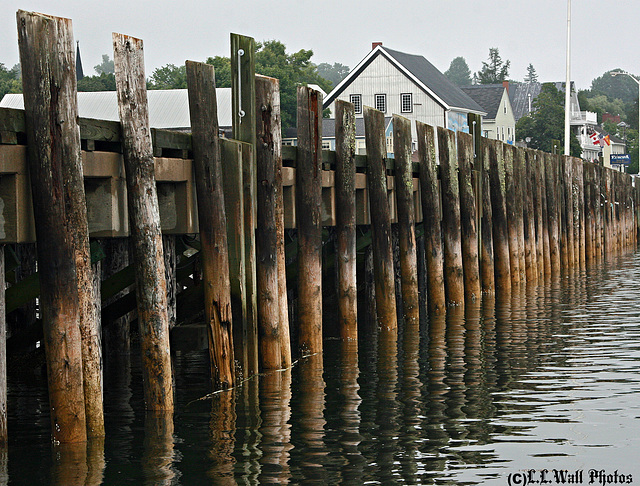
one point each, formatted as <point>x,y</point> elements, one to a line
<point>500,122</point>
<point>405,84</point>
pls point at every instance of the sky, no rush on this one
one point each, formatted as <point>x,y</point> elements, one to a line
<point>604,33</point>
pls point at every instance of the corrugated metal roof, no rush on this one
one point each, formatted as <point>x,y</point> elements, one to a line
<point>168,108</point>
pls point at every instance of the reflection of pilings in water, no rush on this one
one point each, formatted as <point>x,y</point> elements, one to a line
<point>95,461</point>
<point>222,426</point>
<point>69,464</point>
<point>412,404</point>
<point>118,410</point>
<point>387,407</point>
<point>434,432</point>
<point>275,409</point>
<point>249,420</point>
<point>310,424</point>
<point>158,455</point>
<point>455,369</point>
<point>503,340</point>
<point>349,414</point>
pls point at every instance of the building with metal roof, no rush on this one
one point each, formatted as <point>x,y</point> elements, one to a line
<point>499,122</point>
<point>406,84</point>
<point>168,108</point>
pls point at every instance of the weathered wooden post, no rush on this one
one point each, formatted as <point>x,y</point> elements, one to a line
<point>3,354</point>
<point>53,140</point>
<point>346,219</point>
<point>502,258</point>
<point>518,172</point>
<point>212,221</point>
<point>275,349</point>
<point>144,222</point>
<point>512,215</point>
<point>470,257</point>
<point>552,213</point>
<point>569,211</point>
<point>430,198</point>
<point>487,266</point>
<point>541,181</point>
<point>244,129</point>
<point>529,220</point>
<point>309,220</point>
<point>380,219</point>
<point>589,212</point>
<point>453,269</point>
<point>533,168</point>
<point>580,209</point>
<point>406,219</point>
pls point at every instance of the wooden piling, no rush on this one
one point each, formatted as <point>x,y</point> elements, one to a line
<point>268,159</point>
<point>4,435</point>
<point>468,209</point>
<point>569,211</point>
<point>406,219</point>
<point>345,132</point>
<point>212,221</point>
<point>529,198</point>
<point>309,220</point>
<point>453,268</point>
<point>501,254</point>
<point>534,165</point>
<point>579,167</point>
<point>244,129</point>
<point>144,221</point>
<point>487,267</point>
<point>53,140</point>
<point>552,213</point>
<point>519,189</point>
<point>380,219</point>
<point>512,215</point>
<point>430,199</point>
<point>589,212</point>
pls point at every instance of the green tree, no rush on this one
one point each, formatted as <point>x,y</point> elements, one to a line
<point>9,81</point>
<point>222,69</point>
<point>495,70</point>
<point>546,122</point>
<point>103,82</point>
<point>333,73</point>
<point>292,69</point>
<point>105,67</point>
<point>168,76</point>
<point>620,87</point>
<point>459,72</point>
<point>532,75</point>
<point>603,104</point>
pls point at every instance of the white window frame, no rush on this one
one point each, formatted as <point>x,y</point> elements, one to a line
<point>356,99</point>
<point>409,98</point>
<point>383,98</point>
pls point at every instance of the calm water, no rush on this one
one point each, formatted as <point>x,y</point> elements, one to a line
<point>549,378</point>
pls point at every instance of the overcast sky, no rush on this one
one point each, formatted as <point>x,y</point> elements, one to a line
<point>605,33</point>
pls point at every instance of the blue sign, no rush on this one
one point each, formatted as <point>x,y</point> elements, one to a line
<point>621,159</point>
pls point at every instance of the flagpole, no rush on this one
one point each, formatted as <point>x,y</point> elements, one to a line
<point>567,89</point>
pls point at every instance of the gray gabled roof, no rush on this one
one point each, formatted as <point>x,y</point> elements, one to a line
<point>519,94</point>
<point>168,108</point>
<point>424,74</point>
<point>488,96</point>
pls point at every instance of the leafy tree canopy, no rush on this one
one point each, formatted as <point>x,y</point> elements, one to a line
<point>495,70</point>
<point>620,87</point>
<point>532,75</point>
<point>333,74</point>
<point>168,76</point>
<point>9,80</point>
<point>459,72</point>
<point>103,82</point>
<point>105,67</point>
<point>546,122</point>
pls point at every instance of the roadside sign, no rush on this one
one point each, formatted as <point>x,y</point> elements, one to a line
<point>621,159</point>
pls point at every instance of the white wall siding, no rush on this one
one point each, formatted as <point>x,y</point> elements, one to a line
<point>382,77</point>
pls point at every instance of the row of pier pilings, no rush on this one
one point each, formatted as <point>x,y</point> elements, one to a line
<point>456,219</point>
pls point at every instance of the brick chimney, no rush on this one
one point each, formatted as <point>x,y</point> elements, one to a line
<point>375,44</point>
<point>505,84</point>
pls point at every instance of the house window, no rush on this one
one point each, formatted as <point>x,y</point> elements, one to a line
<point>356,99</point>
<point>326,145</point>
<point>381,102</point>
<point>406,103</point>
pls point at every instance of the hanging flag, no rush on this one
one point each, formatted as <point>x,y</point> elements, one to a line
<point>594,138</point>
<point>607,140</point>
